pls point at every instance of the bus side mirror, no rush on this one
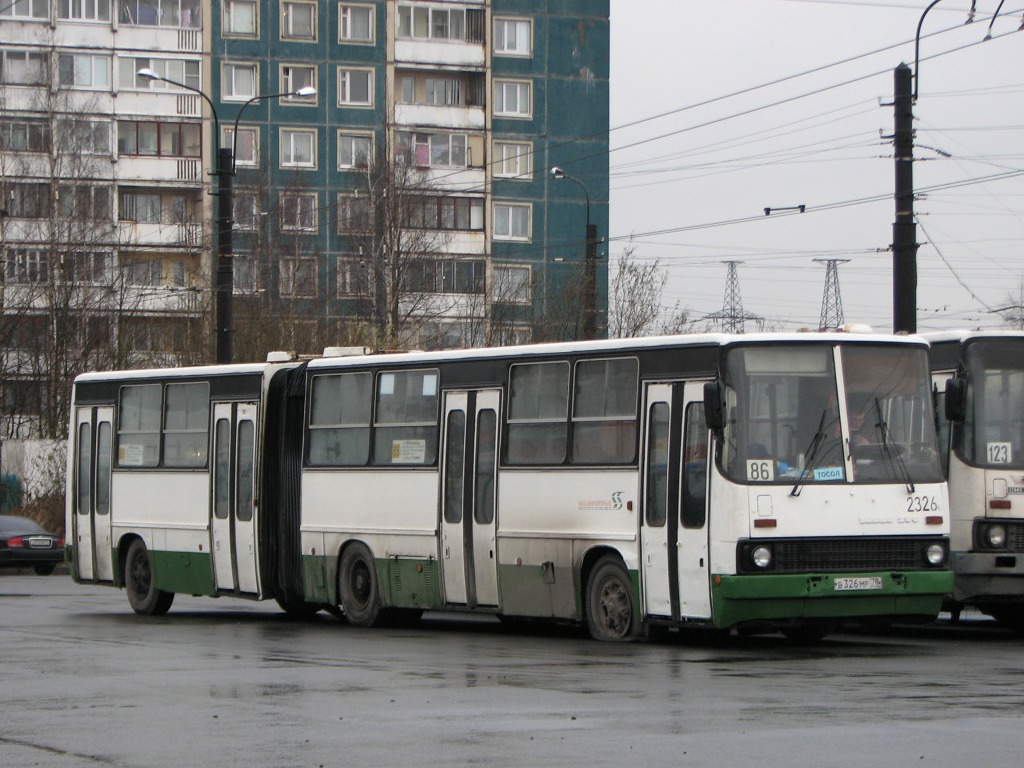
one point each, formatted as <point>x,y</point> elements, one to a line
<point>714,405</point>
<point>956,400</point>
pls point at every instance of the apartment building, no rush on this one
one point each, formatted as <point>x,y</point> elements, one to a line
<point>391,178</point>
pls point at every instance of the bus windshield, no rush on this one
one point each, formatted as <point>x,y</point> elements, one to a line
<point>784,423</point>
<point>993,430</point>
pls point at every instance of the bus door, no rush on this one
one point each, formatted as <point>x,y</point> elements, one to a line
<point>92,494</point>
<point>674,524</point>
<point>469,560</point>
<point>232,518</point>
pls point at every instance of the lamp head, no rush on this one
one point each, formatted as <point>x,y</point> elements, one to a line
<point>305,91</point>
<point>557,173</point>
<point>149,74</point>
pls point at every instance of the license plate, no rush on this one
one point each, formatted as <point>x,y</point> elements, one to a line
<point>854,585</point>
<point>39,543</point>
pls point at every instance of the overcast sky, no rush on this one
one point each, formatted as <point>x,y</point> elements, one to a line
<point>719,142</point>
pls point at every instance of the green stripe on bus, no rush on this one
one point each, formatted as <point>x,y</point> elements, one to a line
<point>190,573</point>
<point>737,599</point>
<point>404,582</point>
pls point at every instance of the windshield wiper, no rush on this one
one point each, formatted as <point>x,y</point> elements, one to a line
<point>890,450</point>
<point>810,454</point>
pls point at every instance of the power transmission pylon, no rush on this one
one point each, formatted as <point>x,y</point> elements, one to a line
<point>831,300</point>
<point>731,317</point>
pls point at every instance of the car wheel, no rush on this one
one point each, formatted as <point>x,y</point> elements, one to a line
<point>45,570</point>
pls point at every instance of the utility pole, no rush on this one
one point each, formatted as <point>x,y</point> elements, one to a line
<point>224,295</point>
<point>831,301</point>
<point>904,228</point>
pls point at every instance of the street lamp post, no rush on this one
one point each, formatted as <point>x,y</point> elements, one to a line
<point>590,274</point>
<point>224,171</point>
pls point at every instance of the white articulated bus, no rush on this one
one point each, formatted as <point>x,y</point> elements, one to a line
<point>762,481</point>
<point>979,382</point>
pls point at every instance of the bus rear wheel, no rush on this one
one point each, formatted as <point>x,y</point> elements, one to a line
<point>611,603</point>
<point>357,584</point>
<point>143,596</point>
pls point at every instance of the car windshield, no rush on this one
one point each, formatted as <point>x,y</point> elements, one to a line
<point>784,423</point>
<point>993,430</point>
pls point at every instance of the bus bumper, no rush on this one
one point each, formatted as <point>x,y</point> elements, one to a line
<point>788,597</point>
<point>982,575</point>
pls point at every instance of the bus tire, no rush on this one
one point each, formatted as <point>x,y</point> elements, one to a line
<point>611,605</point>
<point>144,597</point>
<point>298,609</point>
<point>357,584</point>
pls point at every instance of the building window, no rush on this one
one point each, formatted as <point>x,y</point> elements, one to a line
<point>179,70</point>
<point>22,67</point>
<point>355,23</point>
<point>298,148</point>
<point>246,147</point>
<point>81,10</point>
<point>355,87</point>
<point>28,201</point>
<point>513,159</point>
<point>162,13</point>
<point>354,214</point>
<point>512,221</point>
<point>433,150</point>
<point>151,206</point>
<point>442,92</point>
<point>354,150</point>
<point>24,135</point>
<point>298,277</point>
<point>511,284</point>
<point>352,278</point>
<point>294,77</point>
<point>426,23</point>
<point>27,266</point>
<point>246,277</point>
<point>145,272</point>
<point>84,203</point>
<point>298,20</point>
<point>85,137</point>
<point>91,267</point>
<point>158,139</point>
<point>462,213</point>
<point>83,70</point>
<point>467,276</point>
<point>23,396</point>
<point>238,81</point>
<point>513,37</point>
<point>26,9</point>
<point>241,18</point>
<point>299,212</point>
<point>246,212</point>
<point>512,98</point>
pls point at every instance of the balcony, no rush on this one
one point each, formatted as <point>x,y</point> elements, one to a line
<point>184,171</point>
<point>440,53</point>
<point>170,235</point>
<point>465,118</point>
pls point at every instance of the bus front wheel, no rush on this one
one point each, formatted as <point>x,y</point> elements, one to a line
<point>611,604</point>
<point>357,583</point>
<point>144,597</point>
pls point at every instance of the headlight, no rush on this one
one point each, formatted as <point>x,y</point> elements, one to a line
<point>936,554</point>
<point>761,557</point>
<point>995,536</point>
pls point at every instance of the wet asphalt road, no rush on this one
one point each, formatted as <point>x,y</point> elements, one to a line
<point>85,682</point>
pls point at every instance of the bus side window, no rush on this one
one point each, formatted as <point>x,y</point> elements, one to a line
<point>695,467</point>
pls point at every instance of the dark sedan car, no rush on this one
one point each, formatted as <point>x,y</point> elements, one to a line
<point>26,544</point>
